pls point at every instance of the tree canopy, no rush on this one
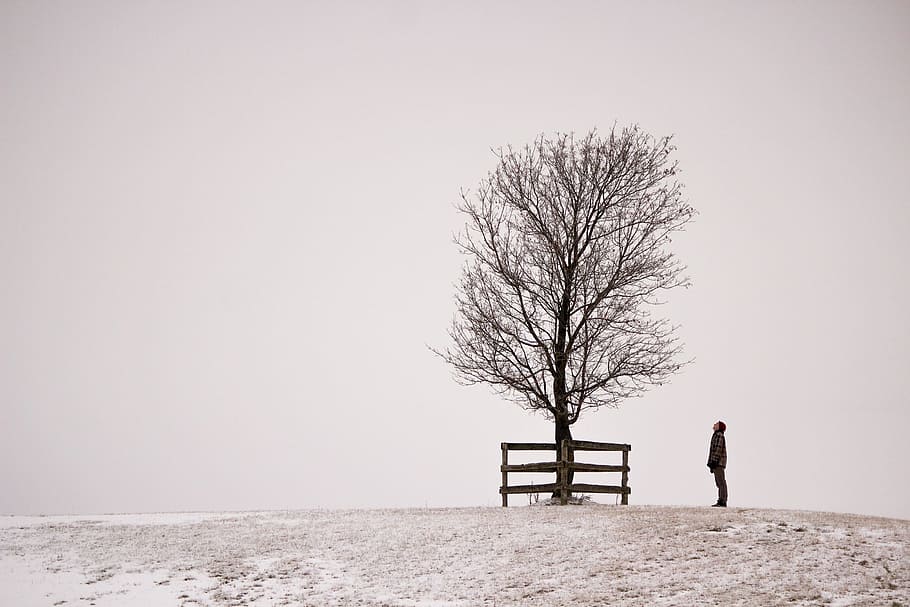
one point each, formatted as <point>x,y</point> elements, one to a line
<point>567,245</point>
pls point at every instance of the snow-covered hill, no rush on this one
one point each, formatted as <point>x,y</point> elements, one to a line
<point>588,555</point>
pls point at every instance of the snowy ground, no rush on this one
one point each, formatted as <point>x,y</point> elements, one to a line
<point>572,555</point>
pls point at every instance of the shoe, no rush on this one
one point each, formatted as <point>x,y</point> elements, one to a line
<point>719,505</point>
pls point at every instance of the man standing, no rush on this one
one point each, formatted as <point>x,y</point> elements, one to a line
<point>717,463</point>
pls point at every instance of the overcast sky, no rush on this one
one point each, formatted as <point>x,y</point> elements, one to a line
<point>225,244</point>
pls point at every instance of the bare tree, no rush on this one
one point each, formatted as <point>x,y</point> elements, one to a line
<point>567,245</point>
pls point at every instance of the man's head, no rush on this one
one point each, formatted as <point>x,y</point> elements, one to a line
<point>720,426</point>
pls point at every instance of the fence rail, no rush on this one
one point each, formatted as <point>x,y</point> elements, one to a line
<point>563,467</point>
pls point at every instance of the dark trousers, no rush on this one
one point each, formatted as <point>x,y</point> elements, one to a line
<point>721,481</point>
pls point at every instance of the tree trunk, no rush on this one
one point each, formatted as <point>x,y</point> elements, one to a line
<point>564,432</point>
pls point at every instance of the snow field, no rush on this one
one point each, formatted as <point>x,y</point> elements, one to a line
<point>583,556</point>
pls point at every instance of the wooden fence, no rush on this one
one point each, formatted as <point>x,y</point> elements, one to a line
<point>563,464</point>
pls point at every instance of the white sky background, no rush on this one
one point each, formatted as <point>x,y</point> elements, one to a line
<point>225,241</point>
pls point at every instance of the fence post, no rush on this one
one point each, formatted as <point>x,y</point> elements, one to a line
<point>625,477</point>
<point>563,468</point>
<point>505,475</point>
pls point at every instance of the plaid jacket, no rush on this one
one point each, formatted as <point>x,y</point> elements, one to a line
<point>717,456</point>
